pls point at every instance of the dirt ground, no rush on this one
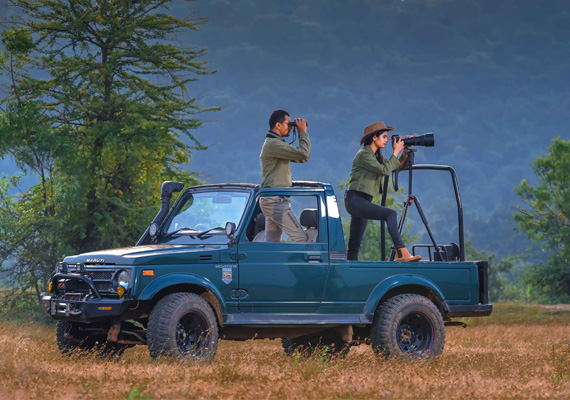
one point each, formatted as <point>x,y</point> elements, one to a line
<point>491,361</point>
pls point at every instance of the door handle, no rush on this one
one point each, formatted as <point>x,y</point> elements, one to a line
<point>238,256</point>
<point>313,258</point>
<point>239,294</point>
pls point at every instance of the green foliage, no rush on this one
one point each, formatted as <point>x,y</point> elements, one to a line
<point>138,393</point>
<point>499,289</point>
<point>97,109</point>
<point>544,219</point>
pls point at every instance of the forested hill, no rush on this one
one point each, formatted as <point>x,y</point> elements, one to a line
<point>488,77</point>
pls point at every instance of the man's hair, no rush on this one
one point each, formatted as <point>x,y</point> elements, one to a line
<point>277,116</point>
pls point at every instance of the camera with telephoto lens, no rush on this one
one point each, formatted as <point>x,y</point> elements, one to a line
<point>425,140</point>
<point>293,123</point>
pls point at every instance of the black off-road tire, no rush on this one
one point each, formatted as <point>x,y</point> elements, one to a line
<point>71,339</point>
<point>183,326</point>
<point>408,326</point>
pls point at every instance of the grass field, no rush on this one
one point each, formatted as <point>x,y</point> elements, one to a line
<point>518,352</point>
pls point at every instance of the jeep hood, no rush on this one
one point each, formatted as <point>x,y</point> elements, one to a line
<point>158,254</point>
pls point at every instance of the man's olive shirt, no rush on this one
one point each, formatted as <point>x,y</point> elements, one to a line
<point>367,173</point>
<point>275,158</point>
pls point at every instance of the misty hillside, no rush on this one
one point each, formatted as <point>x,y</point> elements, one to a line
<point>489,78</point>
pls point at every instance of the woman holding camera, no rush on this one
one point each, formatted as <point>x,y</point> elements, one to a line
<point>368,169</point>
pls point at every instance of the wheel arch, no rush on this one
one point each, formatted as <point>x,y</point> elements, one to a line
<point>177,283</point>
<point>405,284</point>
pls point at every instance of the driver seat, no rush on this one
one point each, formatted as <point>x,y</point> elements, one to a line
<point>259,228</point>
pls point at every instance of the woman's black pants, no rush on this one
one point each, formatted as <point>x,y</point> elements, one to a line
<point>360,207</point>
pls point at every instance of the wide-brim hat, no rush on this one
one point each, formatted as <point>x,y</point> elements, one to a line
<point>373,128</point>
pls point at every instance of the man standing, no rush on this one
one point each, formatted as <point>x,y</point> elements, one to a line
<point>276,156</point>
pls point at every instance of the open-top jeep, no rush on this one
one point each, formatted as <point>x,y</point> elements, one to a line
<point>202,272</point>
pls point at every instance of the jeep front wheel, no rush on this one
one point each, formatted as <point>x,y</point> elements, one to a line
<point>71,338</point>
<point>409,326</point>
<point>183,326</point>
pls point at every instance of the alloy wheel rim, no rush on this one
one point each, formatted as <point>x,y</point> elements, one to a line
<point>415,334</point>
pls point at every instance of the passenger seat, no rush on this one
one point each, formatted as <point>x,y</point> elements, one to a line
<point>310,220</point>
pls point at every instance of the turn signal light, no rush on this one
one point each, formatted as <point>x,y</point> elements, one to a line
<point>120,290</point>
<point>50,287</point>
<point>148,272</point>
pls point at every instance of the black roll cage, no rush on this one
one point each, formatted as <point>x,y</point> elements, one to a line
<point>431,167</point>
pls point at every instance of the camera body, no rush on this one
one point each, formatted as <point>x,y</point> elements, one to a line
<point>425,140</point>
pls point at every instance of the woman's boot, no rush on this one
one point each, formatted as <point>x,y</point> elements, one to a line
<point>403,255</point>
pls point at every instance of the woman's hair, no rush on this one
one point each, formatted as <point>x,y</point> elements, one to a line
<point>369,140</point>
<point>371,137</point>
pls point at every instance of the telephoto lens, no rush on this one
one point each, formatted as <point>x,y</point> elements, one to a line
<point>425,140</point>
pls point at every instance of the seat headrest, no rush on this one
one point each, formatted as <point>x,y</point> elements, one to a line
<point>259,223</point>
<point>310,218</point>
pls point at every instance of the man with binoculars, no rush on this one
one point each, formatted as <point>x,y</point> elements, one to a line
<point>276,157</point>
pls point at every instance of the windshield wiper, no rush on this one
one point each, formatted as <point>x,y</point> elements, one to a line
<point>180,230</point>
<point>217,228</point>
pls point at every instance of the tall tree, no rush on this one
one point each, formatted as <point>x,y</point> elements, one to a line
<point>544,219</point>
<point>97,108</point>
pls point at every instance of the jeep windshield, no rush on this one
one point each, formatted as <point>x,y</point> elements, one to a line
<point>201,217</point>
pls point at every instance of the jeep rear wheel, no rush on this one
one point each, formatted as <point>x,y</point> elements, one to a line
<point>408,326</point>
<point>183,326</point>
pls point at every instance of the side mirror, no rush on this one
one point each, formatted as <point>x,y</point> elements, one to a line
<point>153,231</point>
<point>230,230</point>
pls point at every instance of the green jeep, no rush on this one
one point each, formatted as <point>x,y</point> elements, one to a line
<point>202,272</point>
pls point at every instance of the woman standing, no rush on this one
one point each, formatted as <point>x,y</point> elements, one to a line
<point>368,169</point>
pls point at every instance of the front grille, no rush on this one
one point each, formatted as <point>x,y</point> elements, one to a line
<point>100,275</point>
<point>102,280</point>
<point>103,286</point>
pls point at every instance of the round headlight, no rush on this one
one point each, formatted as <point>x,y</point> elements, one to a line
<point>123,279</point>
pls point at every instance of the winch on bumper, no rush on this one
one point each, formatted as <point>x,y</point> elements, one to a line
<point>74,297</point>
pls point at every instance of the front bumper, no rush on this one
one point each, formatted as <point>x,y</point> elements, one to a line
<point>89,310</point>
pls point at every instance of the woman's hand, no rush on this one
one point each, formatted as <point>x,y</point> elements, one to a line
<point>397,145</point>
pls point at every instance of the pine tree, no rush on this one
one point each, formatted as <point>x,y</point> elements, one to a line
<point>99,109</point>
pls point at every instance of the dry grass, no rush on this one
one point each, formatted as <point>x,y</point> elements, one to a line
<point>482,361</point>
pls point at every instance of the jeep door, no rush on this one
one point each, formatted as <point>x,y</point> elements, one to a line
<point>284,276</point>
